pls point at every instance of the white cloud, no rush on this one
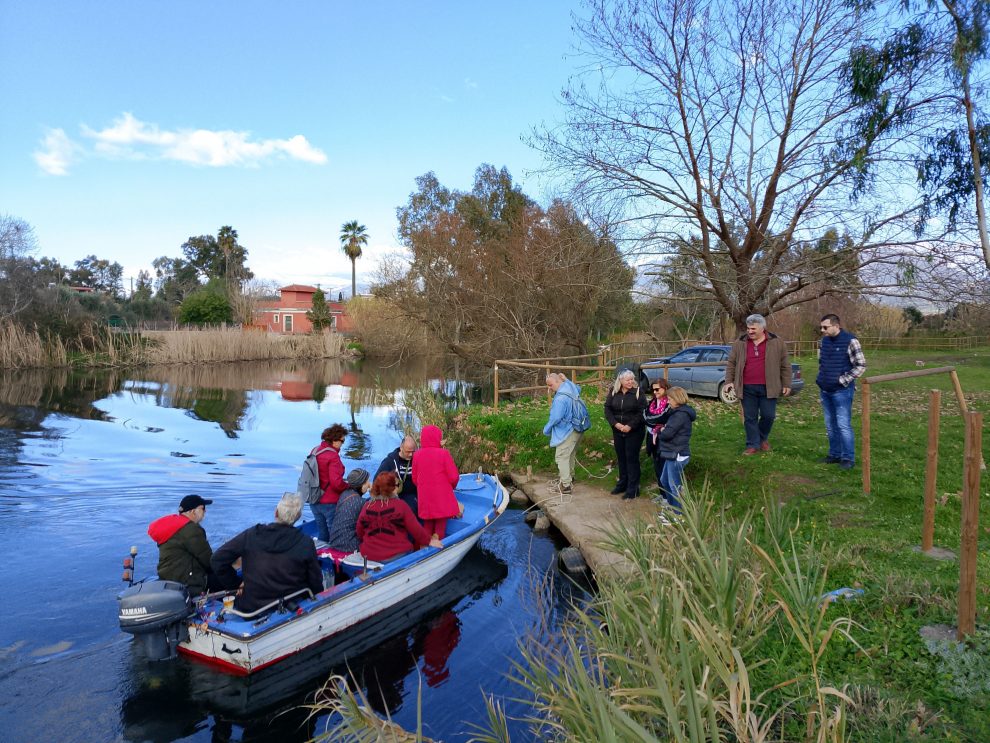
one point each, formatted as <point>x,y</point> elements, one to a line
<point>57,152</point>
<point>130,138</point>
<point>470,84</point>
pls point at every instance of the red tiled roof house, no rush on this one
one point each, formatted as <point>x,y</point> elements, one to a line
<point>287,314</point>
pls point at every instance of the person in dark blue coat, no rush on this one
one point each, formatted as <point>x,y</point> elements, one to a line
<point>674,445</point>
<point>840,361</point>
<point>399,461</point>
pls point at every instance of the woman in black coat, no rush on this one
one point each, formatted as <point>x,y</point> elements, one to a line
<point>624,406</point>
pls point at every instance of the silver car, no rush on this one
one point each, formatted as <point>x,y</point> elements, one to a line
<point>708,381</point>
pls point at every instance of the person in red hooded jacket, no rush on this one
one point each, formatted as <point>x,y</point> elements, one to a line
<point>183,552</point>
<point>435,475</point>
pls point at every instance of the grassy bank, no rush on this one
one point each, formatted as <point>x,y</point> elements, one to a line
<point>22,348</point>
<point>900,689</point>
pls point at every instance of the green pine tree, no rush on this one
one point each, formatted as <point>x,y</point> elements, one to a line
<point>320,316</point>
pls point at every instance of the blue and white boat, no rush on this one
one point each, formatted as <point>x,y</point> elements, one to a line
<point>166,619</point>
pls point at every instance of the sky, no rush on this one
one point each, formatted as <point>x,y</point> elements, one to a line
<point>130,125</point>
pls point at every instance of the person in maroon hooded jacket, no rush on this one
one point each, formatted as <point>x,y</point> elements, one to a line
<point>183,552</point>
<point>387,527</point>
<point>435,475</point>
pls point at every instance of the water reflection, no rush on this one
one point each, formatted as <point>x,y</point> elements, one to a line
<point>381,655</point>
<point>88,460</point>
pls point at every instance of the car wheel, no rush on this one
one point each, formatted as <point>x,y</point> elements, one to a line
<point>727,396</point>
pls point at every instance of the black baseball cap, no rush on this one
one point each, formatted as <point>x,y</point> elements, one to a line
<point>192,501</point>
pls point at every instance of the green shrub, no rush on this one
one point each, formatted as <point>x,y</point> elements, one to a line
<point>206,307</point>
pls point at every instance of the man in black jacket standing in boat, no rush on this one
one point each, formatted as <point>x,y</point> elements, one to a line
<point>277,559</point>
<point>399,461</point>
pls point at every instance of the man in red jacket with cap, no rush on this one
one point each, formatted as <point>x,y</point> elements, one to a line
<point>183,552</point>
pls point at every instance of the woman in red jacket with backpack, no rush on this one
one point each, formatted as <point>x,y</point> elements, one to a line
<point>435,475</point>
<point>331,478</point>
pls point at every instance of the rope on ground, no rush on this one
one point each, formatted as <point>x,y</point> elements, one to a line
<point>608,470</point>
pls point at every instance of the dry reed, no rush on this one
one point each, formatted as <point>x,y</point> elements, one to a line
<point>22,348</point>
<point>25,348</point>
<point>233,344</point>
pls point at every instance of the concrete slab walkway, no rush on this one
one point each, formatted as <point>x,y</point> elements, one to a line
<point>584,516</point>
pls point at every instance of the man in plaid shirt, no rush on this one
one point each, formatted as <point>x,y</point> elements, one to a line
<point>840,361</point>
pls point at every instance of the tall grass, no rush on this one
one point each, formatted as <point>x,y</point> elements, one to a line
<point>676,652</point>
<point>424,406</point>
<point>679,650</point>
<point>233,344</point>
<point>22,348</point>
<point>353,721</point>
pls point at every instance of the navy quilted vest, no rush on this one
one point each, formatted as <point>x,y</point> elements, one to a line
<point>834,361</point>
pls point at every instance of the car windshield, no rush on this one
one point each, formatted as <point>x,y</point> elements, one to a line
<point>686,356</point>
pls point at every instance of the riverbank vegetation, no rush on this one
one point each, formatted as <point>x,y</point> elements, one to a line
<point>53,315</point>
<point>24,348</point>
<point>491,273</point>
<point>894,684</point>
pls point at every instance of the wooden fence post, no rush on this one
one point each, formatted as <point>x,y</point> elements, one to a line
<point>931,470</point>
<point>962,405</point>
<point>966,623</point>
<point>959,393</point>
<point>549,394</point>
<point>866,438</point>
<point>496,386</point>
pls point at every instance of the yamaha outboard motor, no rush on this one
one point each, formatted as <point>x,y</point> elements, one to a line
<point>155,612</point>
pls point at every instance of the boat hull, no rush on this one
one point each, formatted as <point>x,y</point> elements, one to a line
<point>242,648</point>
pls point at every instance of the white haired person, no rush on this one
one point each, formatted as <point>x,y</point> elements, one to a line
<point>759,370</point>
<point>624,406</point>
<point>560,428</point>
<point>277,559</point>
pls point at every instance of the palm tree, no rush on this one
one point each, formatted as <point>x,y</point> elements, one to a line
<point>352,237</point>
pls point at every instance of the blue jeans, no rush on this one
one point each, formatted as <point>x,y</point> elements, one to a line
<point>837,407</point>
<point>323,516</point>
<point>670,481</point>
<point>759,412</point>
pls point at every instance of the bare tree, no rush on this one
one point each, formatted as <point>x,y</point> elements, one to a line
<point>252,292</point>
<point>723,129</point>
<point>494,274</point>
<point>17,285</point>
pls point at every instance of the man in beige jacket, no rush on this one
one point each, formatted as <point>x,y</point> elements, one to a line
<point>760,369</point>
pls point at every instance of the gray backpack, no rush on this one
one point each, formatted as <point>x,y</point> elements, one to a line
<point>580,417</point>
<point>309,480</point>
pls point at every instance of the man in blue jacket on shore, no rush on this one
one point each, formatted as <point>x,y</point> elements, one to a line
<point>560,428</point>
<point>840,361</point>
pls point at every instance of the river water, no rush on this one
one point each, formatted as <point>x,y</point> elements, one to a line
<point>87,461</point>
